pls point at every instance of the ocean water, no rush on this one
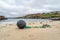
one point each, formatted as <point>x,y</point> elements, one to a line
<point>11,21</point>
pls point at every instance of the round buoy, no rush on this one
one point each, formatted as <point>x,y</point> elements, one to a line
<point>21,24</point>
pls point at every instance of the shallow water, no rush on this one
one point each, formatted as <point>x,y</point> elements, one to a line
<point>10,21</point>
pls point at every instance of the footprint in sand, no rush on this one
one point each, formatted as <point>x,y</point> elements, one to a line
<point>31,35</point>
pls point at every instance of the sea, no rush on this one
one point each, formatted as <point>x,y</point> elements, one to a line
<point>11,21</point>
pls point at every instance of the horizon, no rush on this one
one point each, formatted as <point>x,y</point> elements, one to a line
<point>15,8</point>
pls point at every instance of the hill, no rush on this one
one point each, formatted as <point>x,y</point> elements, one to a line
<point>55,14</point>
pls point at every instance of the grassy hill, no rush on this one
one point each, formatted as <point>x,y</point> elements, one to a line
<point>55,14</point>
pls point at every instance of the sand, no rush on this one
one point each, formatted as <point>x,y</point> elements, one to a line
<point>11,32</point>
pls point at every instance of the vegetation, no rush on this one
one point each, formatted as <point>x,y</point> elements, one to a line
<point>55,14</point>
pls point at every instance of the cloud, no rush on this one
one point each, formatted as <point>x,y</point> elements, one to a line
<point>22,7</point>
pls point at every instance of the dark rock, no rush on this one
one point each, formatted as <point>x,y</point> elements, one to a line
<point>2,18</point>
<point>21,24</point>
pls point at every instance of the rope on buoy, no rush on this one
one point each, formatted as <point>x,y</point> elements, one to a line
<point>22,24</point>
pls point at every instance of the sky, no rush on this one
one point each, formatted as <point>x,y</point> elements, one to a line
<point>14,8</point>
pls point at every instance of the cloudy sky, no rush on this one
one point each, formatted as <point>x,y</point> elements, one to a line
<point>22,7</point>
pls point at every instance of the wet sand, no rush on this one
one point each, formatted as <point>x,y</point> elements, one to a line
<point>11,32</point>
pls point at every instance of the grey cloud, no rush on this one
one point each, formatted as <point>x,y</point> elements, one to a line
<point>23,7</point>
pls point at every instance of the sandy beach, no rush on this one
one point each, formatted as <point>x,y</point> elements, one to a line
<point>11,32</point>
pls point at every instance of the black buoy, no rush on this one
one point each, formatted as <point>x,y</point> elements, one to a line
<point>21,24</point>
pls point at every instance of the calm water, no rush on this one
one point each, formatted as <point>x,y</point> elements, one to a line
<point>9,21</point>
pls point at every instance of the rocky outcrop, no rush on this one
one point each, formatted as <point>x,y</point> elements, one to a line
<point>2,17</point>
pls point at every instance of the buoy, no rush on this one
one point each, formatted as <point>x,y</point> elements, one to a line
<point>21,24</point>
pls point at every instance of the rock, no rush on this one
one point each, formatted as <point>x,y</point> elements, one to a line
<point>2,18</point>
<point>21,24</point>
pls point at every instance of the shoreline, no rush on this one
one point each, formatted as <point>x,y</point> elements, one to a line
<point>11,31</point>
